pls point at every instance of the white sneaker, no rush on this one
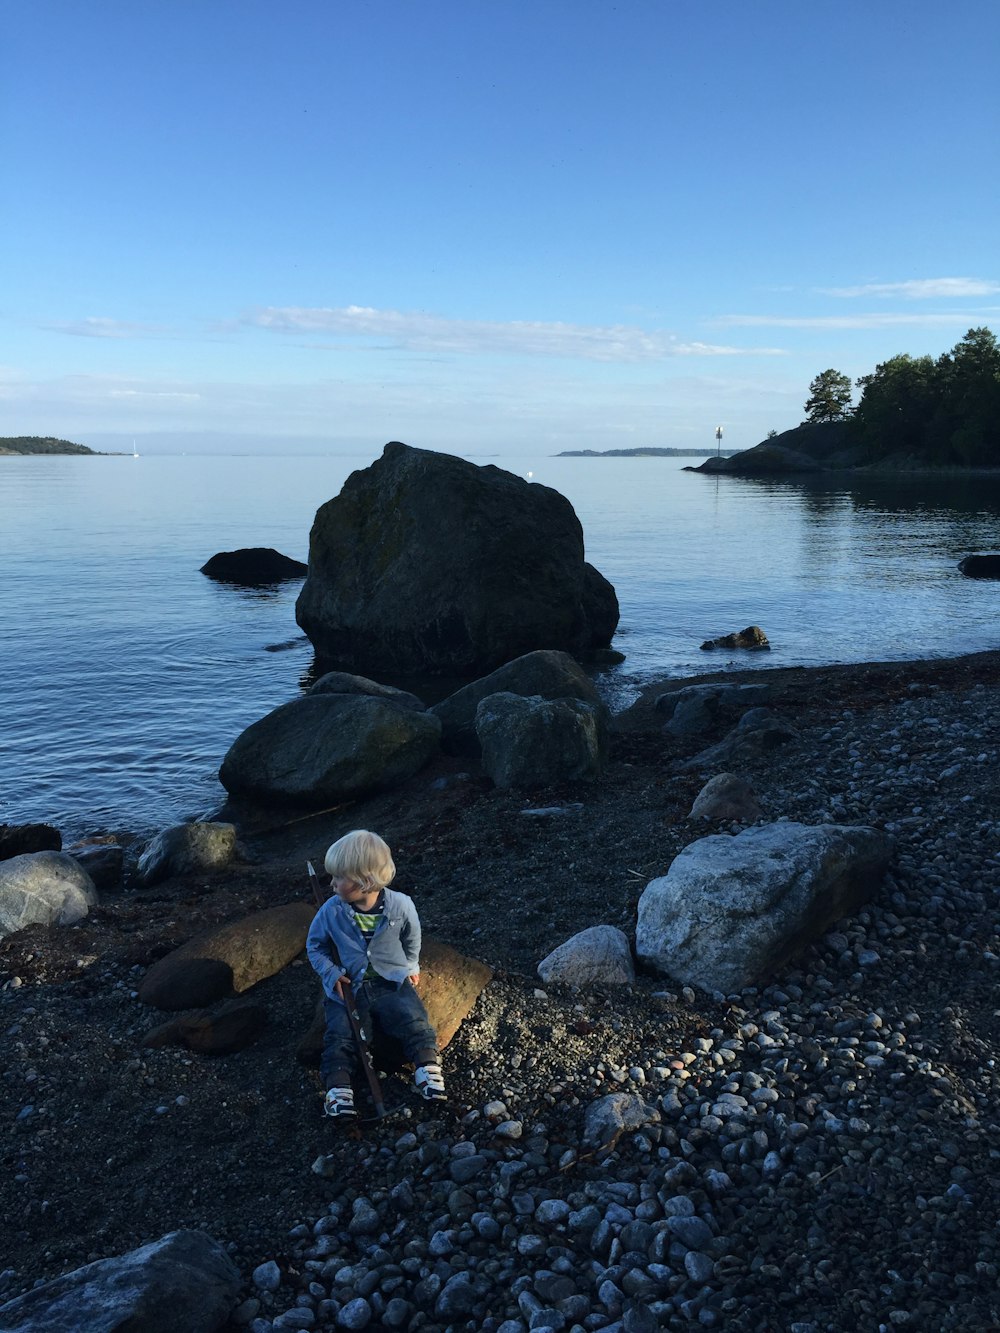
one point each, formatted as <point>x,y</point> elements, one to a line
<point>428,1083</point>
<point>339,1103</point>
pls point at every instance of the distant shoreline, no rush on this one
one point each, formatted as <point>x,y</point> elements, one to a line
<point>35,446</point>
<point>642,453</point>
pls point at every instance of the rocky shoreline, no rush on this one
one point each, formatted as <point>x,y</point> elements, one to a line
<point>816,1154</point>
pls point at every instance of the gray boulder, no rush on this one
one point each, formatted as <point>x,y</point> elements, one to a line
<point>187,849</point>
<point>726,796</point>
<point>43,888</point>
<point>608,1118</point>
<point>326,747</point>
<point>342,682</point>
<point>533,742</point>
<point>759,731</point>
<point>598,956</point>
<point>549,674</point>
<point>730,910</point>
<point>694,709</point>
<point>427,563</point>
<point>183,1283</point>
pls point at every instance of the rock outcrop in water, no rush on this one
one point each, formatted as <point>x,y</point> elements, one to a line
<point>252,566</point>
<point>427,563</point>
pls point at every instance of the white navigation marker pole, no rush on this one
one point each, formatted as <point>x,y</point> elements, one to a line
<point>718,440</point>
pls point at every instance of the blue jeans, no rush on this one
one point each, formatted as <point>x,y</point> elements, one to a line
<point>384,1007</point>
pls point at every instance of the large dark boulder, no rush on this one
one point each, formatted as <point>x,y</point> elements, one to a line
<point>328,747</point>
<point>534,742</point>
<point>252,566</point>
<point>20,839</point>
<point>980,566</point>
<point>548,674</point>
<point>426,563</point>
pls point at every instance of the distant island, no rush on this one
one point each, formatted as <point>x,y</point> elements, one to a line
<point>639,453</point>
<point>40,444</point>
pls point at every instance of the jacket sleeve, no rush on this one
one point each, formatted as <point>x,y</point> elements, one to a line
<point>319,951</point>
<point>409,936</point>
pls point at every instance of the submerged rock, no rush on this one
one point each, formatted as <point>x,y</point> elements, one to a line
<point>980,566</point>
<point>252,566</point>
<point>427,563</point>
<point>753,638</point>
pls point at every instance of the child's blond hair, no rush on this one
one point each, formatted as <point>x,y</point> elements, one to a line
<point>362,857</point>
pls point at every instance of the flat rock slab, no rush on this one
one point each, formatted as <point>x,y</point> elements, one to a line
<point>232,1027</point>
<point>183,1283</point>
<point>730,910</point>
<point>228,958</point>
<point>450,984</point>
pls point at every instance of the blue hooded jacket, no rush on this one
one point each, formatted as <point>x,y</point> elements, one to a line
<point>394,951</point>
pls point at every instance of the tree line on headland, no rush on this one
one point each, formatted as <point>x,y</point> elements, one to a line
<point>39,444</point>
<point>943,411</point>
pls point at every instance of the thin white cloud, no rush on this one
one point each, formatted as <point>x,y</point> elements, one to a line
<point>150,393</point>
<point>99,326</point>
<point>871,320</point>
<point>424,332</point>
<point>920,289</point>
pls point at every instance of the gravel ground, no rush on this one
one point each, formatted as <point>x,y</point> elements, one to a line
<point>819,1154</point>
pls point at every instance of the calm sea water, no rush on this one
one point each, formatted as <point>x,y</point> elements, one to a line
<point>126,673</point>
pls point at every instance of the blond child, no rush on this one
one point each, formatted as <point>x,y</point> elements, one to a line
<point>375,931</point>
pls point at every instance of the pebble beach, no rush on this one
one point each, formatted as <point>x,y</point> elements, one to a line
<point>818,1153</point>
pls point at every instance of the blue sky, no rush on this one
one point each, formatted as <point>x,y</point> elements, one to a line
<point>482,226</point>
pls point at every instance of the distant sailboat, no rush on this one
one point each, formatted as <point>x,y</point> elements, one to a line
<point>135,451</point>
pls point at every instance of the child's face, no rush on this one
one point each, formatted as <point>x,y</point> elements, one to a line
<point>350,890</point>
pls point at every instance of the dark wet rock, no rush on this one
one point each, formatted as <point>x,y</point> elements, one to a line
<point>545,673</point>
<point>534,742</point>
<point>102,858</point>
<point>758,732</point>
<point>765,460</point>
<point>228,958</point>
<point>427,563</point>
<point>752,638</point>
<point>43,888</point>
<point>253,566</point>
<point>694,709</point>
<point>183,1281</point>
<point>732,909</point>
<point>326,747</point>
<point>20,839</point>
<point>187,849</point>
<point>980,566</point>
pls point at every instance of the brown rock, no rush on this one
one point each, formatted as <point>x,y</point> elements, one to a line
<point>726,796</point>
<point>228,958</point>
<point>753,637</point>
<point>450,984</point>
<point>232,1027</point>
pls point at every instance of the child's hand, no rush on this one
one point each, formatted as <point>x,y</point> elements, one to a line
<point>415,978</point>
